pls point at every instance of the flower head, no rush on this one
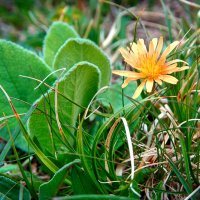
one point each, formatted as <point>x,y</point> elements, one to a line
<point>150,65</point>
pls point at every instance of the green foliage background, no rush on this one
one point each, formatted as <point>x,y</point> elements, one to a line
<point>70,141</point>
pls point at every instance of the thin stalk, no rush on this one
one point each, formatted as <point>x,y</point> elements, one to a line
<point>168,22</point>
<point>186,159</point>
<point>30,187</point>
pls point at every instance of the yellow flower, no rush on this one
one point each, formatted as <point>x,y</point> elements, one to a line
<point>151,65</point>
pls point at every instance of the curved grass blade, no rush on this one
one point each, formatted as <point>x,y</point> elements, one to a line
<point>84,160</point>
<point>17,131</point>
<point>48,163</point>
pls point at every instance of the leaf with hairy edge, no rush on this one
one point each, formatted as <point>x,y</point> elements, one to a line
<point>15,61</point>
<point>77,50</point>
<point>58,33</point>
<point>78,86</point>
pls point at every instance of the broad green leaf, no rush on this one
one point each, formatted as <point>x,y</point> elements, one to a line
<point>78,86</point>
<point>84,185</point>
<point>58,33</point>
<point>49,189</point>
<point>9,189</point>
<point>113,97</point>
<point>3,197</point>
<point>77,50</point>
<point>15,61</point>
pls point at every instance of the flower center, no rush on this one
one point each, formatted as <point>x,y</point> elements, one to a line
<point>149,66</point>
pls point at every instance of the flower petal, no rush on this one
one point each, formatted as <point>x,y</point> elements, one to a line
<point>179,69</point>
<point>158,81</point>
<point>182,68</point>
<point>132,63</point>
<point>128,74</point>
<point>124,53</point>
<point>175,61</point>
<point>142,46</point>
<point>127,54</point>
<point>129,57</point>
<point>126,82</point>
<point>168,69</point>
<point>139,90</point>
<point>168,79</point>
<point>151,48</point>
<point>169,49</point>
<point>173,68</point>
<point>134,48</point>
<point>159,46</point>
<point>155,42</point>
<point>149,85</point>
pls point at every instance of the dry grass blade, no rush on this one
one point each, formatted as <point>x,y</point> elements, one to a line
<point>190,3</point>
<point>130,147</point>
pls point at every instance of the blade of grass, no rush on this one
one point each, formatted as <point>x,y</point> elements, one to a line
<point>38,152</point>
<point>175,169</point>
<point>130,147</point>
<point>168,22</point>
<point>15,134</point>
<point>84,160</point>
<point>193,193</point>
<point>29,186</point>
<point>180,177</point>
<point>98,136</point>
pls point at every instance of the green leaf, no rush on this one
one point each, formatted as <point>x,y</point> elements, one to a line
<point>49,189</point>
<point>77,50</point>
<point>113,96</point>
<point>84,184</point>
<point>58,33</point>
<point>9,189</point>
<point>76,88</point>
<point>3,197</point>
<point>15,61</point>
<point>135,186</point>
<point>8,168</point>
<point>142,175</point>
